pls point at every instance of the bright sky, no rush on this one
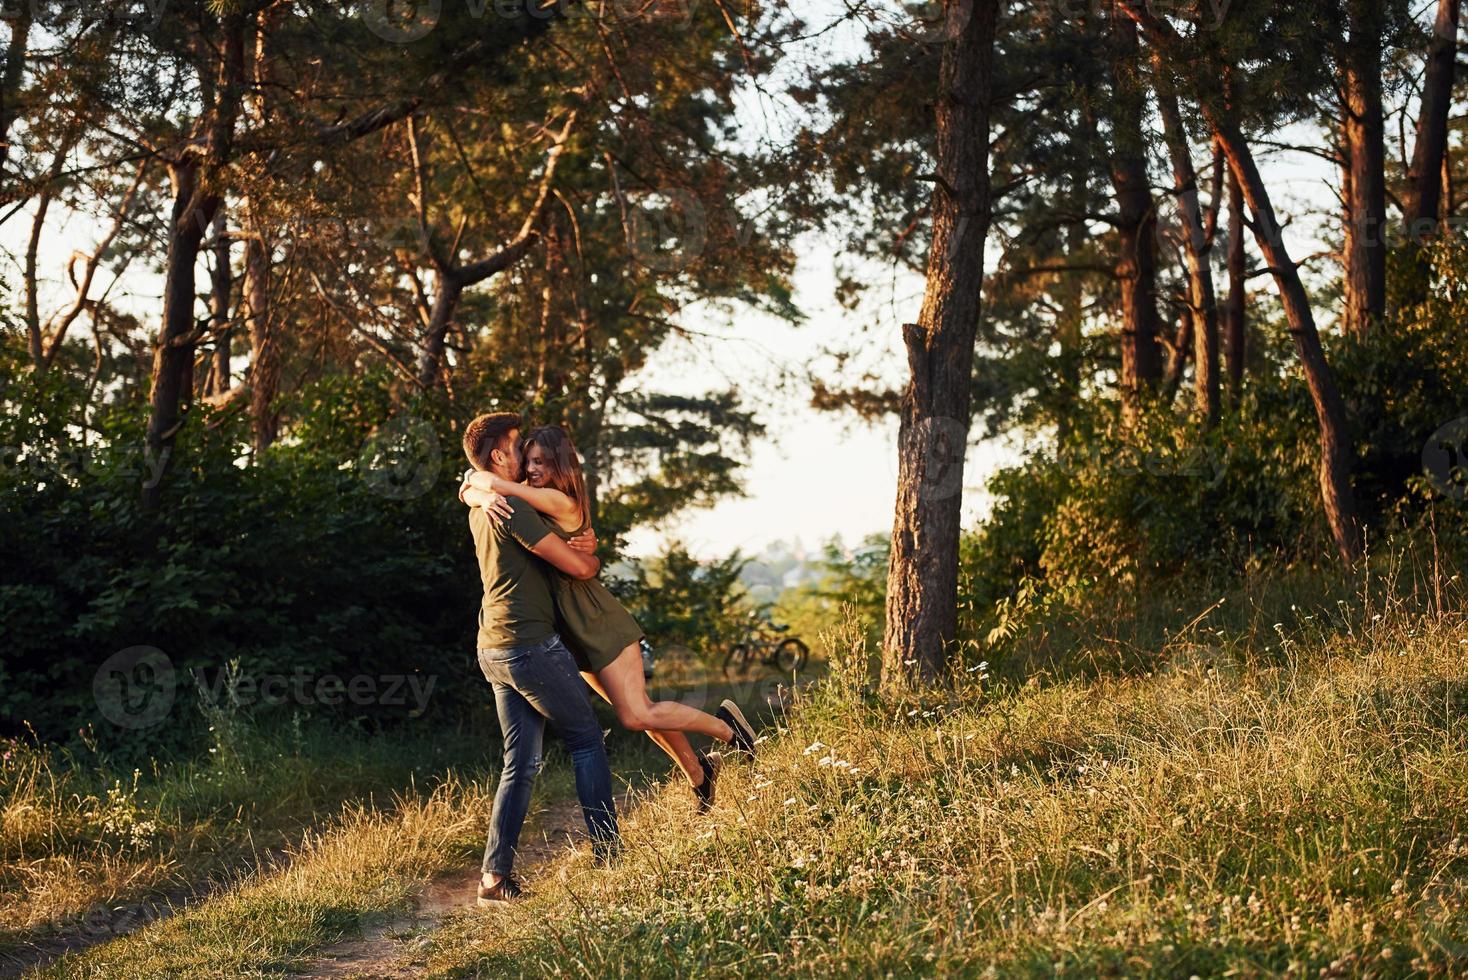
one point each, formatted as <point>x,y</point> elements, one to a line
<point>816,474</point>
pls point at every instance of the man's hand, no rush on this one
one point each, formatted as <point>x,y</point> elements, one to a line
<point>585,542</point>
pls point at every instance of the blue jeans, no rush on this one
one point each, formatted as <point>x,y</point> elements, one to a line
<point>534,684</point>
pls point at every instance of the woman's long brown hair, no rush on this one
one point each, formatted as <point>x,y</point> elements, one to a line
<point>563,466</point>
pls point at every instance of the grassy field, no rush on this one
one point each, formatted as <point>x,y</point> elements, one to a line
<point>1273,783</point>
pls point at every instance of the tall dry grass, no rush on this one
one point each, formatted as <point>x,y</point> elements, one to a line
<point>1280,787</point>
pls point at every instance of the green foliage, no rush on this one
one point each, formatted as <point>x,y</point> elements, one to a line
<point>1125,510</point>
<point>678,599</point>
<point>294,562</point>
<point>340,552</point>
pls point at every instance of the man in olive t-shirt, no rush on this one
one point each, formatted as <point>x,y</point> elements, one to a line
<point>517,606</point>
<point>532,673</point>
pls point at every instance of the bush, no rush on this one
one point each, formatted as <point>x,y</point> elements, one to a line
<point>295,562</point>
<point>678,599</point>
<point>1114,511</point>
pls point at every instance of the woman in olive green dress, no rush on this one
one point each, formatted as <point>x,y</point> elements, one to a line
<point>599,631</point>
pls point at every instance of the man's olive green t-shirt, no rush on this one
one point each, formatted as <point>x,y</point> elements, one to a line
<point>517,607</point>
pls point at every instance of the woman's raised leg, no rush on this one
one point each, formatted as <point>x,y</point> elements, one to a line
<point>626,689</point>
<point>673,743</point>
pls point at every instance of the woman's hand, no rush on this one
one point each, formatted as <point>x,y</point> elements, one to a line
<point>585,542</point>
<point>494,505</point>
<point>497,507</point>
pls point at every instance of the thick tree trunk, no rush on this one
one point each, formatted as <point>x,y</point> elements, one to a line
<point>1365,190</point>
<point>932,437</point>
<point>1337,497</point>
<point>1427,178</point>
<point>1235,313</point>
<point>173,356</point>
<point>1202,306</point>
<point>1136,267</point>
<point>1424,180</point>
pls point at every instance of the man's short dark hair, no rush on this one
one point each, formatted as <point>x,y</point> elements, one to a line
<point>486,434</point>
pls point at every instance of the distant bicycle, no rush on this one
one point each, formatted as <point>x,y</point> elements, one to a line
<point>766,644</point>
<point>647,658</point>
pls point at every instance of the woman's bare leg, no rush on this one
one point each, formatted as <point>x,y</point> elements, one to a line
<point>673,743</point>
<point>627,691</point>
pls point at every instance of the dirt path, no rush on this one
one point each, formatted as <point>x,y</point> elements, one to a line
<point>393,947</point>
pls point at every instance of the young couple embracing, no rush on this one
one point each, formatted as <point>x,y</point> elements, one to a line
<point>548,630</point>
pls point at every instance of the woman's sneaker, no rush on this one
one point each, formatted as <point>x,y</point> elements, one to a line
<point>502,892</point>
<point>730,715</point>
<point>704,791</point>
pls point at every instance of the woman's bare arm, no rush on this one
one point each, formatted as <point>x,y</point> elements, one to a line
<point>494,504</point>
<point>547,500</point>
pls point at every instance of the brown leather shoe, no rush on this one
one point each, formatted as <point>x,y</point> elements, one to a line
<point>503,892</point>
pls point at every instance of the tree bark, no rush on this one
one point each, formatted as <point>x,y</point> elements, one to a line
<point>1202,305</point>
<point>173,355</point>
<point>1337,497</point>
<point>1365,190</point>
<point>439,321</point>
<point>1136,268</point>
<point>32,310</point>
<point>264,345</point>
<point>195,174</point>
<point>1427,177</point>
<point>258,298</point>
<point>933,430</point>
<point>1424,180</point>
<point>1235,313</point>
<point>220,286</point>
<point>1178,356</point>
<point>12,75</point>
<point>1068,290</point>
<point>1334,465</point>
